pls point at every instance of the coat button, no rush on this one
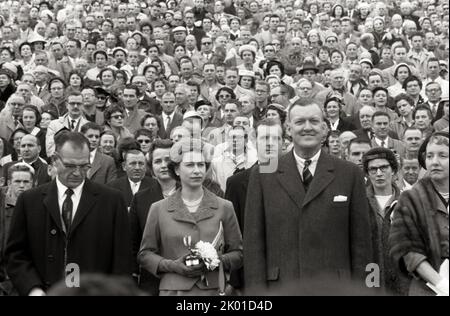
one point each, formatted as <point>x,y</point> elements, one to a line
<point>53,232</point>
<point>51,258</point>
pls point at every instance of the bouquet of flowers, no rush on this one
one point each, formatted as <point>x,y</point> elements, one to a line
<point>207,253</point>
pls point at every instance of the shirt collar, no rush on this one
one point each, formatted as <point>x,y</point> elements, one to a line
<point>301,161</point>
<point>134,183</point>
<point>62,189</point>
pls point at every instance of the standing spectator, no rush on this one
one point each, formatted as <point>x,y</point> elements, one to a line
<point>275,257</point>
<point>72,121</point>
<point>380,166</point>
<point>419,238</point>
<point>135,180</point>
<point>71,206</point>
<point>103,169</point>
<point>162,251</point>
<point>20,180</point>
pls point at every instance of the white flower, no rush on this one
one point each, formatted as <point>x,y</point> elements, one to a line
<point>208,254</point>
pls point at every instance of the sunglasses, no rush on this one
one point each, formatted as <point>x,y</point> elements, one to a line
<point>144,141</point>
<point>117,117</point>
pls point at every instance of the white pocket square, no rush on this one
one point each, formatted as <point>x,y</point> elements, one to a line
<point>340,198</point>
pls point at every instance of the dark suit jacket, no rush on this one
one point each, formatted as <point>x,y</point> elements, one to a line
<point>123,185</point>
<point>360,133</point>
<point>103,169</point>
<point>98,240</point>
<point>345,125</point>
<point>176,121</point>
<point>140,205</point>
<point>292,236</point>
<point>40,171</point>
<point>236,193</point>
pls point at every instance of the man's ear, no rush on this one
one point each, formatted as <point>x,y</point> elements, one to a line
<point>123,166</point>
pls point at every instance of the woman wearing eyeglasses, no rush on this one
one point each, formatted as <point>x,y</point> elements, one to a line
<point>381,166</point>
<point>419,239</point>
<point>114,121</point>
<point>190,215</point>
<point>144,138</point>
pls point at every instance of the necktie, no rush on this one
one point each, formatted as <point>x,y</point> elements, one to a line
<point>168,122</point>
<point>67,209</point>
<point>383,143</point>
<point>72,125</point>
<point>307,176</point>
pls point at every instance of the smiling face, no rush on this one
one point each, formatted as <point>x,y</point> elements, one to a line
<point>307,126</point>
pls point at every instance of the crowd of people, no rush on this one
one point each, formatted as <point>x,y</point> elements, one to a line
<point>305,140</point>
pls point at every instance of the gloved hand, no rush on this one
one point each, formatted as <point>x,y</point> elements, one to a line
<point>179,266</point>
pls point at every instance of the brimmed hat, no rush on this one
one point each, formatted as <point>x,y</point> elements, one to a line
<point>179,29</point>
<point>366,61</point>
<point>308,66</point>
<point>116,49</point>
<point>244,48</point>
<point>36,38</point>
<point>246,73</point>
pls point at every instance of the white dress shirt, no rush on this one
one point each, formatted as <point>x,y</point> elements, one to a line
<point>301,163</point>
<point>134,186</point>
<point>379,141</point>
<point>334,126</point>
<point>76,196</point>
<point>166,119</point>
<point>92,156</point>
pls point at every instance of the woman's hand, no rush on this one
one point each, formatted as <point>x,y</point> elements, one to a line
<point>179,266</point>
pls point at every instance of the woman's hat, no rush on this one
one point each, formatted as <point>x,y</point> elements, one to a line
<point>116,49</point>
<point>244,48</point>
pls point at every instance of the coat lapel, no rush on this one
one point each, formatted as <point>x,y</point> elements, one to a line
<point>87,201</point>
<point>290,180</point>
<point>96,164</point>
<point>322,177</point>
<point>205,210</point>
<point>52,205</point>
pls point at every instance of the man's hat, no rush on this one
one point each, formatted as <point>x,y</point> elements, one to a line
<point>179,29</point>
<point>308,66</point>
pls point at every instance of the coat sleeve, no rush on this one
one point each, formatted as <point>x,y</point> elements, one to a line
<point>20,267</point>
<point>49,139</point>
<point>122,256</point>
<point>232,195</point>
<point>232,256</point>
<point>360,228</point>
<point>148,256</point>
<point>255,265</point>
<point>111,171</point>
<point>135,231</point>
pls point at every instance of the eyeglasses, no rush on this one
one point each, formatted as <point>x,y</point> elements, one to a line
<point>101,97</point>
<point>117,117</point>
<point>144,141</point>
<point>73,167</point>
<point>206,43</point>
<point>374,170</point>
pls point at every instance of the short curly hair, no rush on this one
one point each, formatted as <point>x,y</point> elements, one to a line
<point>380,153</point>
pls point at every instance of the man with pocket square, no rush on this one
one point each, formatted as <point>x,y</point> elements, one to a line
<point>307,227</point>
